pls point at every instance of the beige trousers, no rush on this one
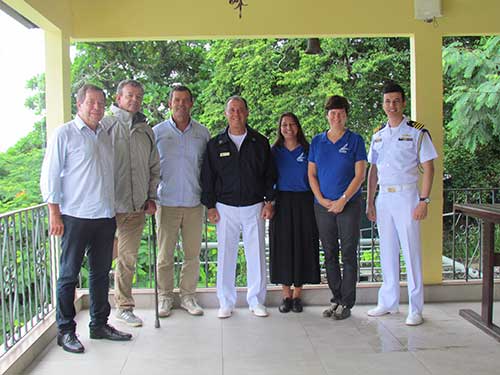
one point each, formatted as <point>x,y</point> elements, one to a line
<point>129,227</point>
<point>189,221</point>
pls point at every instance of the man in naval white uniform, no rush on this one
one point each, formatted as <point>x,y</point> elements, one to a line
<point>397,151</point>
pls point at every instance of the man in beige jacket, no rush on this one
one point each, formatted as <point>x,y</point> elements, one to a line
<point>137,173</point>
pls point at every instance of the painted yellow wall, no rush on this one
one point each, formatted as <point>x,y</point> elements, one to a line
<point>426,96</point>
<point>50,15</point>
<point>160,19</point>
<point>57,79</point>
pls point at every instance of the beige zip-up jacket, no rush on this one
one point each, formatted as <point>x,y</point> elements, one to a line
<point>137,164</point>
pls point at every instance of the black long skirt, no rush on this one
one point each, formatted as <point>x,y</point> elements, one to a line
<point>293,239</point>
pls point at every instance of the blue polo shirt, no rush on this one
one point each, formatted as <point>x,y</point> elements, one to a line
<point>292,169</point>
<point>335,162</point>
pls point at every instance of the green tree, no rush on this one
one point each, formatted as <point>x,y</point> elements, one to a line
<point>471,83</point>
<point>157,64</point>
<point>275,75</point>
<point>473,80</point>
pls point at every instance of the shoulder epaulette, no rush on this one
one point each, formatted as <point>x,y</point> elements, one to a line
<point>419,126</point>
<point>416,125</point>
<point>378,128</point>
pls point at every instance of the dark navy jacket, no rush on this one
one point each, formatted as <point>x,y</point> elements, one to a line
<point>237,178</point>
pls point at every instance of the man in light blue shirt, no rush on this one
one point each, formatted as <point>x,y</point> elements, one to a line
<point>181,142</point>
<point>77,183</point>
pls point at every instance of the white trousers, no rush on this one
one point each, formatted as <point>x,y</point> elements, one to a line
<point>397,229</point>
<point>233,221</point>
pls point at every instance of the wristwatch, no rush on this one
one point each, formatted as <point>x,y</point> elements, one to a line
<point>425,199</point>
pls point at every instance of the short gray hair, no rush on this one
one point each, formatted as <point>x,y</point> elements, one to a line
<point>82,92</point>
<point>131,82</point>
<point>236,97</point>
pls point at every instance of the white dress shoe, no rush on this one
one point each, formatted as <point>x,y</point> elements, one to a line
<point>379,311</point>
<point>414,319</point>
<point>259,310</point>
<point>224,312</point>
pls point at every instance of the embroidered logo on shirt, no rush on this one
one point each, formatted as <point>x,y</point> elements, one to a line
<point>344,149</point>
<point>224,154</point>
<point>301,158</point>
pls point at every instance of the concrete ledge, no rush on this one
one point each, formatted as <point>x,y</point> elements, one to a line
<point>366,294</point>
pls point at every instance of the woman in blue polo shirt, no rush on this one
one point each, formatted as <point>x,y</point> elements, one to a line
<point>337,166</point>
<point>294,243</point>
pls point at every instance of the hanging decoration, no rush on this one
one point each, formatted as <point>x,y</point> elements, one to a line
<point>238,4</point>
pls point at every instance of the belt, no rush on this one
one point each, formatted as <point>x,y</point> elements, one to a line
<point>396,188</point>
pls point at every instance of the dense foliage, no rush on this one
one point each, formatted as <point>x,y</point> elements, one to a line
<point>471,109</point>
<point>275,75</point>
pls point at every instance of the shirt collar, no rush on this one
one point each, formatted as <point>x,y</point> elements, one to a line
<point>82,125</point>
<point>397,128</point>
<point>324,136</point>
<point>171,122</point>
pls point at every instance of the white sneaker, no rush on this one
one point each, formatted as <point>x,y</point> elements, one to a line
<point>224,312</point>
<point>414,319</point>
<point>127,316</point>
<point>379,311</point>
<point>165,307</point>
<point>189,304</point>
<point>259,310</point>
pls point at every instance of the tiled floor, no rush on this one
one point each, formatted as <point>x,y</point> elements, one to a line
<point>286,344</point>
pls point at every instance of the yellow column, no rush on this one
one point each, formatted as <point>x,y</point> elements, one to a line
<point>427,108</point>
<point>57,79</point>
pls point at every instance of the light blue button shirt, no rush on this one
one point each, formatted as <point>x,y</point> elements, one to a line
<point>77,171</point>
<point>181,156</point>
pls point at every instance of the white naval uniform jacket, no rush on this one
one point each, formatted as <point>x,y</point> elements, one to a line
<point>395,152</point>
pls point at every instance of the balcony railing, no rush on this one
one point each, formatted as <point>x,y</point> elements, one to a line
<point>29,259</point>
<point>28,273</point>
<point>462,257</point>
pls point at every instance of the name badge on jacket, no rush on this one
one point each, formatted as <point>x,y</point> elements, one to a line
<point>224,154</point>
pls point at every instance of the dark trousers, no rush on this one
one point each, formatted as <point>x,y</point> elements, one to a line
<point>344,227</point>
<point>95,238</point>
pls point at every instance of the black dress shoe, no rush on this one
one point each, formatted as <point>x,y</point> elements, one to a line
<point>70,342</point>
<point>286,305</point>
<point>109,333</point>
<point>342,312</point>
<point>297,305</point>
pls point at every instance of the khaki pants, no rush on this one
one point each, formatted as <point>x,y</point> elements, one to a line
<point>129,233</point>
<point>189,221</point>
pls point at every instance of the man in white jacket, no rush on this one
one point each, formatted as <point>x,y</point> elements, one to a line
<point>137,173</point>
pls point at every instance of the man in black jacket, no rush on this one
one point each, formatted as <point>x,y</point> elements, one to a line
<point>238,177</point>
